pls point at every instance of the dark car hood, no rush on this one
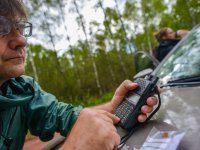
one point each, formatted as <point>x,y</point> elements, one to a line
<point>181,108</point>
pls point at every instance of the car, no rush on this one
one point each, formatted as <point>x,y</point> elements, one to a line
<point>179,79</point>
<point>179,82</point>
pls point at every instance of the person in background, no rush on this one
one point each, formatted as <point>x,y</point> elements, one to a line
<point>167,39</point>
<point>25,106</point>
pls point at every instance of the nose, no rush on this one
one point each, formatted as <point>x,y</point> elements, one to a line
<point>17,40</point>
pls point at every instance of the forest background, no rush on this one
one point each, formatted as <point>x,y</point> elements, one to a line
<point>88,72</point>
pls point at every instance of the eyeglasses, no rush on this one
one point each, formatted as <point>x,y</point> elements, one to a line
<point>24,27</point>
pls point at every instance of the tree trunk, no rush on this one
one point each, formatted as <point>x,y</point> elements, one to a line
<point>70,50</point>
<point>123,27</point>
<point>194,21</point>
<point>58,65</point>
<point>32,64</point>
<point>112,37</point>
<point>88,45</point>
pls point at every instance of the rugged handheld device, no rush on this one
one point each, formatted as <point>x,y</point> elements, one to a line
<point>129,109</point>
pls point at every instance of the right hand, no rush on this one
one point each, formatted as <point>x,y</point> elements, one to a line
<point>93,130</point>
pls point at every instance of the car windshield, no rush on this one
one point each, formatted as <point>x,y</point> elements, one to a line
<point>184,62</point>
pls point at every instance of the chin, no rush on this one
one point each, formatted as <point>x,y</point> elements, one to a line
<point>16,72</point>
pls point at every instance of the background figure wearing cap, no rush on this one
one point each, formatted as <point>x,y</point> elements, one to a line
<point>167,39</point>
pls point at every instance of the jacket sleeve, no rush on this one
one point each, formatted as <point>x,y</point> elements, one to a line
<point>46,115</point>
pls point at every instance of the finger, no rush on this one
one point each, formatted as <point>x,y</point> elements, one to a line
<point>115,148</point>
<point>146,109</point>
<point>142,118</point>
<point>126,86</point>
<point>121,91</point>
<point>151,101</point>
<point>117,139</point>
<point>113,118</point>
<point>114,136</point>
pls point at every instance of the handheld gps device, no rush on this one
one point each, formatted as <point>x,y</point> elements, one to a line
<point>129,109</point>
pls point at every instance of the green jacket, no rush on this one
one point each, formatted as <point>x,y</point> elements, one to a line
<point>24,105</point>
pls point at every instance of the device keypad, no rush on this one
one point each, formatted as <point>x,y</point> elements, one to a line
<point>124,110</point>
<point>142,86</point>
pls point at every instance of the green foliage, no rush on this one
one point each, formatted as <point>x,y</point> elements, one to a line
<point>68,88</point>
<point>71,77</point>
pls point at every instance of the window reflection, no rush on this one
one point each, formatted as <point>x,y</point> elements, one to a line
<point>185,61</point>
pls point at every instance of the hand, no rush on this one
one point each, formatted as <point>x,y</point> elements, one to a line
<point>182,33</point>
<point>93,130</point>
<point>121,91</point>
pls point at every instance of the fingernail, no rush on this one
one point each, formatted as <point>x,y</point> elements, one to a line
<point>133,84</point>
<point>117,118</point>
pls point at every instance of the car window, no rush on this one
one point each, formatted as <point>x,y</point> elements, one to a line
<point>184,62</point>
<point>144,60</point>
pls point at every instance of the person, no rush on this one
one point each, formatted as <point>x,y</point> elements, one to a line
<point>25,106</point>
<point>167,39</point>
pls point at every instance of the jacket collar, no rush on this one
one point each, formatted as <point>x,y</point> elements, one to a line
<point>16,92</point>
<point>4,87</point>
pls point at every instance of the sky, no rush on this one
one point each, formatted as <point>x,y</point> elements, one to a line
<point>89,14</point>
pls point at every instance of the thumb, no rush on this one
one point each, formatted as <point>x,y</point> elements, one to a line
<point>121,91</point>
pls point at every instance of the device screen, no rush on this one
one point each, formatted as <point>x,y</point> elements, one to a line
<point>133,98</point>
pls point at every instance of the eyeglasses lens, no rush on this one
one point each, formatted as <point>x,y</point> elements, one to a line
<point>24,27</point>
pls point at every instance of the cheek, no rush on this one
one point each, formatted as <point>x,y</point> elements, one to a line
<point>1,58</point>
<point>3,49</point>
<point>9,71</point>
<point>12,68</point>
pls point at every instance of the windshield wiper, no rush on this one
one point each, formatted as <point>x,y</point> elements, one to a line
<point>189,81</point>
<point>186,79</point>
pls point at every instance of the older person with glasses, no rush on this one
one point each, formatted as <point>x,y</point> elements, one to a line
<point>25,106</point>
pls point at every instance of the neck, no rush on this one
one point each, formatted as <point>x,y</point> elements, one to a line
<point>2,82</point>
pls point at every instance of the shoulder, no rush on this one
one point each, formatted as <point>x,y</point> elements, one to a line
<point>169,42</point>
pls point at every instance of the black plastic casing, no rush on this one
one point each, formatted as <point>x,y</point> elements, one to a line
<point>127,111</point>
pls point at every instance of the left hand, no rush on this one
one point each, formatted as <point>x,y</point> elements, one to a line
<point>121,91</point>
